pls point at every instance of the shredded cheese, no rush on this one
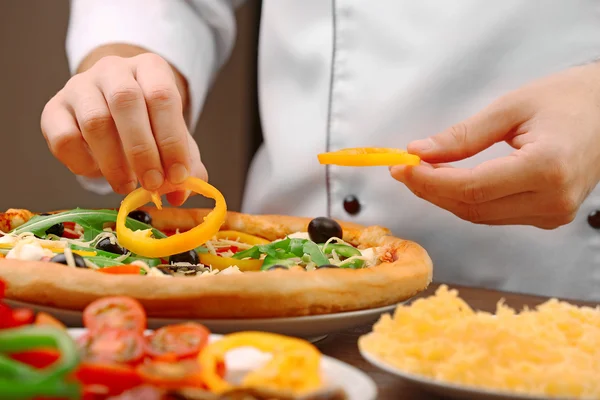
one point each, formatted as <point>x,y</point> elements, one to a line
<point>553,350</point>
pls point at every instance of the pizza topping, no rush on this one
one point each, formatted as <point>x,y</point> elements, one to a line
<point>70,259</point>
<point>23,381</point>
<point>109,346</point>
<point>188,257</point>
<point>221,263</point>
<point>322,229</point>
<point>115,313</point>
<point>175,342</point>
<point>141,243</point>
<point>141,216</point>
<point>110,245</point>
<point>108,378</point>
<point>368,157</point>
<point>293,368</point>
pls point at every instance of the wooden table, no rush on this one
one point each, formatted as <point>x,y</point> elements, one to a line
<point>343,346</point>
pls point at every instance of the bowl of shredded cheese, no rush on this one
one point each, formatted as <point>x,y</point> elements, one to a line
<point>443,345</point>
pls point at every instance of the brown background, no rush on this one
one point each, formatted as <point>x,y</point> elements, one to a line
<point>33,68</point>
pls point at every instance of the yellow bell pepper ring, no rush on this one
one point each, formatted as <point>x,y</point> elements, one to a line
<point>140,242</point>
<point>220,263</point>
<point>369,157</point>
<point>294,366</point>
<point>241,237</point>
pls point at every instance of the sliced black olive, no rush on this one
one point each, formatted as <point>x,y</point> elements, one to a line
<point>141,216</point>
<point>106,245</point>
<point>57,229</point>
<point>321,229</point>
<point>276,266</point>
<point>327,266</point>
<point>62,259</point>
<point>186,257</point>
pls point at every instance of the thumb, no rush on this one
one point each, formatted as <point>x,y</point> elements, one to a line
<point>471,136</point>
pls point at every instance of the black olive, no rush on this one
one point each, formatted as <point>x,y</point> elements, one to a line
<point>327,266</point>
<point>321,229</point>
<point>186,257</point>
<point>276,266</point>
<point>106,245</point>
<point>141,216</point>
<point>61,259</point>
<point>57,229</point>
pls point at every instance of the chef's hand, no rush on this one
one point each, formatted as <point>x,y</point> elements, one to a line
<point>122,118</point>
<point>554,125</point>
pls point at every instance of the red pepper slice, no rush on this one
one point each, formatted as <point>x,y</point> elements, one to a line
<point>175,342</point>
<point>127,269</point>
<point>15,318</point>
<point>70,231</point>
<point>118,312</point>
<point>114,378</point>
<point>2,289</point>
<point>112,346</point>
<point>39,358</point>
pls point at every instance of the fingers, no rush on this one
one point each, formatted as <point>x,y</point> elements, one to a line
<point>127,106</point>
<point>62,134</point>
<point>488,181</point>
<point>178,198</point>
<point>477,133</point>
<point>164,105</point>
<point>100,133</point>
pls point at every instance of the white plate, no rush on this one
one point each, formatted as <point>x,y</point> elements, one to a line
<point>312,327</point>
<point>356,384</point>
<point>450,390</point>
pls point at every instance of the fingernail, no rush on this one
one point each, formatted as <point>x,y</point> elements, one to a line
<point>421,145</point>
<point>186,195</point>
<point>178,173</point>
<point>153,179</point>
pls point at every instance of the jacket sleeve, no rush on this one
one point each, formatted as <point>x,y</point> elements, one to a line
<point>195,36</point>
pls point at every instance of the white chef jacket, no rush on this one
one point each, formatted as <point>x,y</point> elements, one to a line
<point>351,73</point>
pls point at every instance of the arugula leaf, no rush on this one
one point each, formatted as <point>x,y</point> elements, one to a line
<point>92,222</point>
<point>316,255</point>
<point>103,261</point>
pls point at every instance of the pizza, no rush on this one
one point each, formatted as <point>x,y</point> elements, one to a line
<point>233,265</point>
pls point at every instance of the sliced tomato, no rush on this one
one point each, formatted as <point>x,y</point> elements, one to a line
<point>39,358</point>
<point>107,378</point>
<point>112,346</point>
<point>115,313</point>
<point>71,231</point>
<point>171,375</point>
<point>2,289</point>
<point>122,270</point>
<point>145,392</point>
<point>174,342</point>
<point>5,316</point>
<point>46,319</point>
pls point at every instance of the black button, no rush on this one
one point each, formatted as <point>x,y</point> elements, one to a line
<point>352,205</point>
<point>594,219</point>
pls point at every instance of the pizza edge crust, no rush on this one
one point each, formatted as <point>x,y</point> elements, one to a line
<point>249,295</point>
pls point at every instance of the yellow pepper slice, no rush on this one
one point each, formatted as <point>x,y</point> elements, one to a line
<point>241,237</point>
<point>368,157</point>
<point>294,367</point>
<point>220,263</point>
<point>140,242</point>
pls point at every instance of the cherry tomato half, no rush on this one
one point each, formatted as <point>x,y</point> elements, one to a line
<point>112,346</point>
<point>118,312</point>
<point>171,375</point>
<point>174,342</point>
<point>113,378</point>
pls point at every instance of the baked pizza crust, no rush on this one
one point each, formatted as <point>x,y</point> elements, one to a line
<point>279,293</point>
